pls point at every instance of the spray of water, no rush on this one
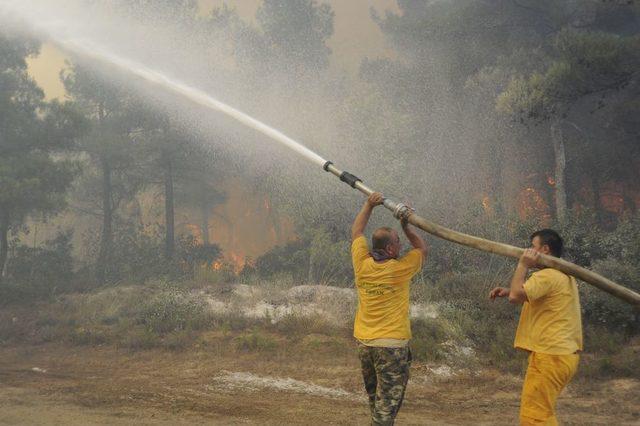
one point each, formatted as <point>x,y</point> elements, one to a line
<point>90,49</point>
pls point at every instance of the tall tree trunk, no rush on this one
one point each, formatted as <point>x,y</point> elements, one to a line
<point>168,208</point>
<point>204,225</point>
<point>497,180</point>
<point>274,221</point>
<point>4,243</point>
<point>106,239</point>
<point>560,165</point>
<point>597,206</point>
<point>311,272</point>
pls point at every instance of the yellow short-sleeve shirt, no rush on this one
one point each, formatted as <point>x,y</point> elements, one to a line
<point>550,322</point>
<point>383,293</point>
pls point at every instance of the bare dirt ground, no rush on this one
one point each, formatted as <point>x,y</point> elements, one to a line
<point>54,384</point>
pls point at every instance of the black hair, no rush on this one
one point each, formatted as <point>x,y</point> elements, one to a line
<point>550,238</point>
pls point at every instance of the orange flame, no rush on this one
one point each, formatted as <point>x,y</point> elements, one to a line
<point>238,261</point>
<point>486,204</point>
<point>612,199</point>
<point>532,204</point>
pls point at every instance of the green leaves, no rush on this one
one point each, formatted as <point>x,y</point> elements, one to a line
<point>32,178</point>
<point>583,63</point>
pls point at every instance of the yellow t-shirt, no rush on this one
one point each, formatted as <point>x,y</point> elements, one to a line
<point>550,322</point>
<point>383,293</point>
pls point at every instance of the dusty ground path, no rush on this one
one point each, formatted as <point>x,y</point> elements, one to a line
<point>56,385</point>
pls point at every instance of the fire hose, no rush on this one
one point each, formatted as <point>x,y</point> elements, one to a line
<point>401,211</point>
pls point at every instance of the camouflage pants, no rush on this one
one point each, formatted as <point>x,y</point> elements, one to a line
<point>385,372</point>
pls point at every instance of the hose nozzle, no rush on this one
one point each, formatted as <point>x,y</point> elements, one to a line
<point>402,211</point>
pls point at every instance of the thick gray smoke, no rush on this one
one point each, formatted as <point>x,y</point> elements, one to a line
<point>178,64</point>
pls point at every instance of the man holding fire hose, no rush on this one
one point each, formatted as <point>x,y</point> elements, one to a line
<point>382,325</point>
<point>550,328</point>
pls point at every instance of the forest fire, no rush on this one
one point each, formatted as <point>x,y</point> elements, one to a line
<point>486,205</point>
<point>531,203</point>
<point>197,257</point>
<point>245,226</point>
<point>612,198</point>
<point>237,261</point>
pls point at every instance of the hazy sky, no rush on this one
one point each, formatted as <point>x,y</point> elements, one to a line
<point>355,37</point>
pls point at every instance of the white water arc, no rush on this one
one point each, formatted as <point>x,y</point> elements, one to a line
<point>90,49</point>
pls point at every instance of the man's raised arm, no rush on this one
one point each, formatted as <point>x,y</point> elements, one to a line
<point>361,220</point>
<point>416,240</point>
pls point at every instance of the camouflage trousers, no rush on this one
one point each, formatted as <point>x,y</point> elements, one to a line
<point>385,372</point>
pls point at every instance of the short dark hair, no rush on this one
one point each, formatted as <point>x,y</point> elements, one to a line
<point>550,238</point>
<point>380,240</point>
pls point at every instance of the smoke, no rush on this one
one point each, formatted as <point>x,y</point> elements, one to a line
<point>343,118</point>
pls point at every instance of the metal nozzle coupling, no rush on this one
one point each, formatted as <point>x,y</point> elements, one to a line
<point>402,211</point>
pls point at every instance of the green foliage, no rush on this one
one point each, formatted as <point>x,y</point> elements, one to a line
<point>195,254</point>
<point>34,177</point>
<point>255,341</point>
<point>464,307</point>
<point>43,271</point>
<point>90,335</point>
<point>295,326</point>
<point>297,31</point>
<point>138,254</point>
<point>427,340</point>
<point>584,63</point>
<point>329,258</point>
<point>179,340</point>
<point>292,257</point>
<point>614,254</point>
<point>139,338</point>
<point>604,309</point>
<point>173,310</point>
<point>317,257</point>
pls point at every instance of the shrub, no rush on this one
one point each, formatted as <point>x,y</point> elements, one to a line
<point>470,317</point>
<point>603,309</point>
<point>173,310</point>
<point>255,341</point>
<point>291,258</point>
<point>296,325</point>
<point>179,340</point>
<point>139,338</point>
<point>194,254</point>
<point>428,336</point>
<point>319,256</point>
<point>89,335</point>
<point>40,272</point>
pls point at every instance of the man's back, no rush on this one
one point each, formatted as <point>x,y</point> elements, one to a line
<point>383,293</point>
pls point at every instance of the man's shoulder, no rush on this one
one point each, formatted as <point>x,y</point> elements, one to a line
<point>553,279</point>
<point>359,240</point>
<point>550,274</point>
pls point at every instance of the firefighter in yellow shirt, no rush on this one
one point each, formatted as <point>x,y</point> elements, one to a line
<point>382,321</point>
<point>550,328</point>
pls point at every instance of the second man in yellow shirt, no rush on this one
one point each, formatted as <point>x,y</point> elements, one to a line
<point>550,328</point>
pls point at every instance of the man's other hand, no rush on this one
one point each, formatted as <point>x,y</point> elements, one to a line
<point>498,292</point>
<point>530,258</point>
